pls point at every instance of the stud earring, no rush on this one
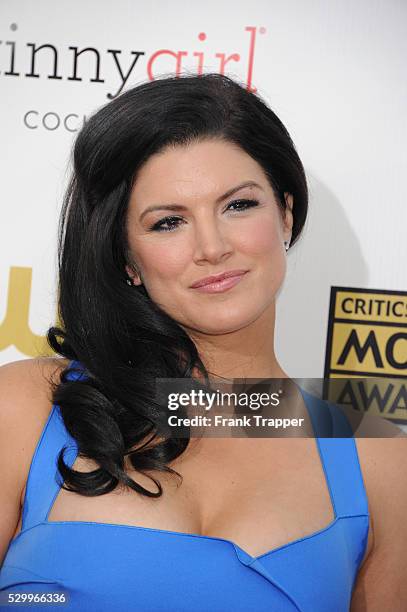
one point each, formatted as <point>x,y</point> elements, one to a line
<point>130,282</point>
<point>286,244</point>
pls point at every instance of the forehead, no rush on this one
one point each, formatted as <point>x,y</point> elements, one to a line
<point>198,170</point>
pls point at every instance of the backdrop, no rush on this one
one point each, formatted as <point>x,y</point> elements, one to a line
<point>334,72</point>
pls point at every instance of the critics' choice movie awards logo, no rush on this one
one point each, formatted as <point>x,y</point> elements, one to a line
<point>367,347</point>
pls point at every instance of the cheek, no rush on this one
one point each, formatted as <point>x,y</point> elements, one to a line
<point>163,260</point>
<point>261,237</point>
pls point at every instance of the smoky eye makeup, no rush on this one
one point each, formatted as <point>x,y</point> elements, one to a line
<point>171,222</point>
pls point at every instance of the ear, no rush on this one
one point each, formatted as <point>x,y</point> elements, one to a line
<point>134,274</point>
<point>288,215</point>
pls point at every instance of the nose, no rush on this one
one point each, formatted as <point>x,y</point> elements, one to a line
<point>211,242</point>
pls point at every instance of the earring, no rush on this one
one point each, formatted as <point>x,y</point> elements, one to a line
<point>130,282</point>
<point>286,244</point>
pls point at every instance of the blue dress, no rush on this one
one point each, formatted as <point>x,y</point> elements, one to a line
<point>105,567</point>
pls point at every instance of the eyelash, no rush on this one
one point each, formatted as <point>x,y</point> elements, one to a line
<point>157,227</point>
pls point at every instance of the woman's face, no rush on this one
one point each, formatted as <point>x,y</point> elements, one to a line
<point>207,232</point>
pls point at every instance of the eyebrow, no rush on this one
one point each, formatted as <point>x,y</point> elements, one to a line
<point>178,207</point>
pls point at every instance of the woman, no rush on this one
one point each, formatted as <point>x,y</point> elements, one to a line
<point>175,181</point>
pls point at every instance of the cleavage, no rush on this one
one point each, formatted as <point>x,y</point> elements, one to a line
<point>257,493</point>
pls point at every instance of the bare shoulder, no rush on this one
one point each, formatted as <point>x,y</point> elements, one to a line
<point>383,463</point>
<point>381,582</point>
<point>26,389</point>
<point>32,369</point>
<point>25,404</point>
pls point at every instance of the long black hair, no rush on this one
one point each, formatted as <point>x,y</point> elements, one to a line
<point>123,340</point>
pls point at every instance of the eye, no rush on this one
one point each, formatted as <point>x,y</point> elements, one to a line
<point>169,224</point>
<point>160,227</point>
<point>243,204</point>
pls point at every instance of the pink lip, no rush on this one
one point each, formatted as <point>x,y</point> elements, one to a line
<point>217,277</point>
<point>220,283</point>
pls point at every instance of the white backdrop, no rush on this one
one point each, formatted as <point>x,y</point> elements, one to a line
<point>333,71</point>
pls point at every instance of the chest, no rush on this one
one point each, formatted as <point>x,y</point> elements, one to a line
<point>257,493</point>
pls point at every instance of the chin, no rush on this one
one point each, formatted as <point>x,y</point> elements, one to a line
<point>223,323</point>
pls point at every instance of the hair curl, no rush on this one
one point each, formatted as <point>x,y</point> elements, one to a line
<point>121,337</point>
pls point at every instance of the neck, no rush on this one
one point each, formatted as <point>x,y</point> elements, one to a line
<point>245,353</point>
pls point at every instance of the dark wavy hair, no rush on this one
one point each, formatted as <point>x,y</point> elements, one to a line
<point>124,340</point>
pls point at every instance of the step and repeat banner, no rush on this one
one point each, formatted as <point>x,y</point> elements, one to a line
<point>335,75</point>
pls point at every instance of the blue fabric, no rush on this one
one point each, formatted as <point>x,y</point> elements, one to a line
<point>104,567</point>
